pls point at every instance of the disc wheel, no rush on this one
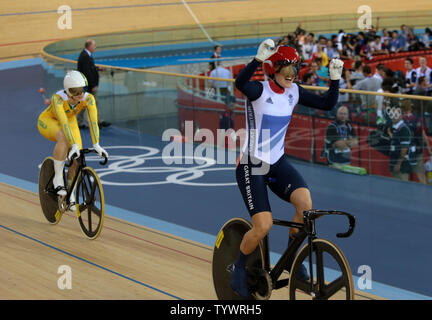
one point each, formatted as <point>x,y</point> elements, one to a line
<point>90,204</point>
<point>225,253</point>
<point>339,283</point>
<point>47,195</point>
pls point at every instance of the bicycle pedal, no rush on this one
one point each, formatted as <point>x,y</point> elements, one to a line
<point>60,191</point>
<point>61,201</point>
<point>230,268</point>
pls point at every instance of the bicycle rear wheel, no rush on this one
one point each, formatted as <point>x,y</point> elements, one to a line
<point>339,283</point>
<point>47,195</point>
<point>90,203</point>
<point>225,253</point>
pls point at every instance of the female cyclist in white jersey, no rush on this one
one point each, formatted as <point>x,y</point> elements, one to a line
<point>269,107</point>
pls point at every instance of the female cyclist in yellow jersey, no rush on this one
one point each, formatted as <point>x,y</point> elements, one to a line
<point>58,123</point>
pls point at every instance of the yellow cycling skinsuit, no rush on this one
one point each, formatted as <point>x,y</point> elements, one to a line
<point>60,115</point>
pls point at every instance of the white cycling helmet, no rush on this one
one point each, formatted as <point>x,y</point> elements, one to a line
<point>74,79</point>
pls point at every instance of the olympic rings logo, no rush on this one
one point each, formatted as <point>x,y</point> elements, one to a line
<point>131,167</point>
<point>394,112</point>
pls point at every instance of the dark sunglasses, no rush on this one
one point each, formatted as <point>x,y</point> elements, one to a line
<point>74,92</point>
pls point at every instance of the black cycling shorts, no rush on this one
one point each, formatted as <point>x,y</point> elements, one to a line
<point>281,177</point>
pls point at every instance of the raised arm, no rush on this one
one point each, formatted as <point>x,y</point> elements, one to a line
<point>329,100</point>
<point>251,89</point>
<point>325,102</point>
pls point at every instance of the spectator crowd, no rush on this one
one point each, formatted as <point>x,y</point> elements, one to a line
<point>403,125</point>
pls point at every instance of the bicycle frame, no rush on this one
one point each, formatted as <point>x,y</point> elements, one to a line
<point>307,230</point>
<point>81,164</point>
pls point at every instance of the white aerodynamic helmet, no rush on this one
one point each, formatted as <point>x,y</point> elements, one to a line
<point>74,79</point>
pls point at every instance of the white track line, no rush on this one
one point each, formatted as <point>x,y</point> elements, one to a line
<point>197,21</point>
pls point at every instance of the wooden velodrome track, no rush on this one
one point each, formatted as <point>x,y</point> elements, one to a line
<point>127,261</point>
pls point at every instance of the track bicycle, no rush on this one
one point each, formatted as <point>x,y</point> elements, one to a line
<point>262,279</point>
<point>90,204</point>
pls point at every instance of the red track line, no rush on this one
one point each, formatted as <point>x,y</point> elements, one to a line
<point>156,244</point>
<point>124,233</point>
<point>11,195</point>
<point>26,42</point>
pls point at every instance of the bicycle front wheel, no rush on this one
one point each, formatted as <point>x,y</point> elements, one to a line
<point>335,283</point>
<point>225,253</point>
<point>90,203</point>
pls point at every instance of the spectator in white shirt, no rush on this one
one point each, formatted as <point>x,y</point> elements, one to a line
<point>383,102</point>
<point>222,86</point>
<point>376,47</point>
<point>307,47</point>
<point>340,37</point>
<point>424,71</point>
<point>380,72</point>
<point>426,37</point>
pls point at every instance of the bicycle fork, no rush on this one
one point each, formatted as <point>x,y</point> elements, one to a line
<point>310,227</point>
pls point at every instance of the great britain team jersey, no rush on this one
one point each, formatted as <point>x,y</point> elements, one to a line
<point>269,109</point>
<point>267,120</point>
